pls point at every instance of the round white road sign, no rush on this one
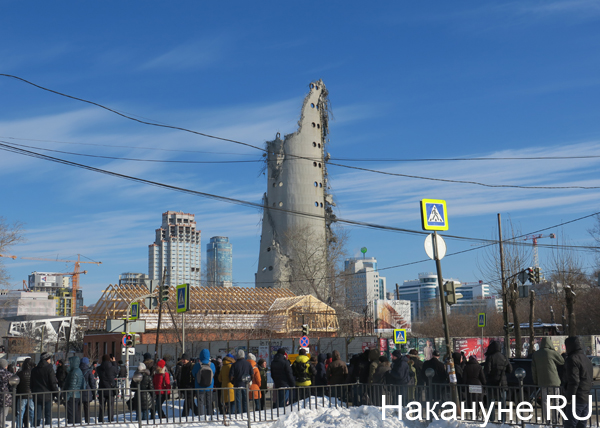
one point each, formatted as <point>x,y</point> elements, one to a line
<point>441,246</point>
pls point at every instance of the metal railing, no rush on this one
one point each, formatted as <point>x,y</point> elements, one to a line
<point>180,406</point>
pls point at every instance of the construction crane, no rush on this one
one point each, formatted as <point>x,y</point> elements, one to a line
<point>10,257</point>
<point>75,274</point>
<point>534,239</point>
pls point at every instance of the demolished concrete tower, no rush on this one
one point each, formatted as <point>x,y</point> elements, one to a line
<point>297,206</point>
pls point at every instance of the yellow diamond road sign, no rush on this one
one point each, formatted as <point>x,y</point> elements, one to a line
<point>434,215</point>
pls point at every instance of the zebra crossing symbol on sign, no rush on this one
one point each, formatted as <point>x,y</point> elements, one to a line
<point>400,335</point>
<point>434,215</point>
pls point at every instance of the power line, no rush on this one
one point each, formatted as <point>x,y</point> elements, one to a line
<point>446,180</point>
<point>332,158</point>
<point>17,150</point>
<point>132,159</point>
<point>161,125</point>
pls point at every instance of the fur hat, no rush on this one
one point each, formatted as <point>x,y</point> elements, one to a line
<point>251,356</point>
<point>3,363</point>
<point>241,354</point>
<point>141,367</point>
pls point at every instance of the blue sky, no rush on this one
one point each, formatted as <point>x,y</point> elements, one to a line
<point>406,80</point>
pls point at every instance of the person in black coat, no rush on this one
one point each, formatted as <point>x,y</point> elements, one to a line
<point>146,398</point>
<point>283,377</point>
<point>25,401</point>
<point>43,379</point>
<point>399,375</point>
<point>440,375</point>
<point>576,383</point>
<point>61,373</point>
<point>321,375</point>
<point>186,383</point>
<point>107,383</point>
<point>473,375</point>
<point>458,367</point>
<point>495,369</point>
<point>90,385</point>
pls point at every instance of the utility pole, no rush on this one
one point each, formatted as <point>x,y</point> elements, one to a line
<point>504,300</point>
<point>162,282</point>
<point>531,333</point>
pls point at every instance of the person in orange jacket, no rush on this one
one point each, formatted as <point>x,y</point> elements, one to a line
<point>256,382</point>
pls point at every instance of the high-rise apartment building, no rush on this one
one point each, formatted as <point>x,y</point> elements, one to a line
<point>365,286</point>
<point>176,248</point>
<point>219,262</point>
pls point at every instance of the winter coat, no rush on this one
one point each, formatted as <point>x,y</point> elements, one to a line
<point>400,372</point>
<point>496,365</point>
<point>458,367</point>
<point>418,365</point>
<point>5,398</point>
<point>373,363</point>
<point>363,367</point>
<point>204,358</point>
<point>61,375</point>
<point>256,382</point>
<point>263,378</point>
<point>89,383</point>
<point>321,371</point>
<point>337,370</point>
<point>146,387</point>
<point>24,386</point>
<point>186,379</point>
<point>74,381</point>
<point>473,373</point>
<point>122,371</point>
<point>161,381</point>
<point>440,374</point>
<point>382,369</point>
<point>544,364</point>
<point>239,369</point>
<point>226,396</point>
<point>43,379</point>
<point>107,375</point>
<point>353,369</point>
<point>578,375</point>
<point>303,370</point>
<point>281,372</point>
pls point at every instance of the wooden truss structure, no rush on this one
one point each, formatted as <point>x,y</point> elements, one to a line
<point>215,308</point>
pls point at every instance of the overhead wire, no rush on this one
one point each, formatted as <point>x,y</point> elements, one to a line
<point>162,125</point>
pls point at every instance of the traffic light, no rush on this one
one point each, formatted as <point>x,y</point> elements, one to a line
<point>130,340</point>
<point>304,329</point>
<point>510,328</point>
<point>537,275</point>
<point>530,275</point>
<point>164,293</point>
<point>450,292</point>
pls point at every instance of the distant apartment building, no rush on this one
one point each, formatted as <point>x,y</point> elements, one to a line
<point>133,279</point>
<point>59,288</point>
<point>219,262</point>
<point>423,294</point>
<point>177,248</point>
<point>365,286</point>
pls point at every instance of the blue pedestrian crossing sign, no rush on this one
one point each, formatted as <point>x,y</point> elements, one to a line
<point>481,320</point>
<point>183,298</point>
<point>134,311</point>
<point>434,215</point>
<point>400,335</point>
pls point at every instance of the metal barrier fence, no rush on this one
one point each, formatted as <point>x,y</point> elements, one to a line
<point>180,406</point>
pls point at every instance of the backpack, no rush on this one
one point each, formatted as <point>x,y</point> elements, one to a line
<point>204,377</point>
<point>300,371</point>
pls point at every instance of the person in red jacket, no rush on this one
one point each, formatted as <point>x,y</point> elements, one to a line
<point>162,386</point>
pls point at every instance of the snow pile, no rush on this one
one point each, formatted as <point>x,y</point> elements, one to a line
<point>354,417</point>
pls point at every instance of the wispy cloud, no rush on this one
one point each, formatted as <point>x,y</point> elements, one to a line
<point>190,56</point>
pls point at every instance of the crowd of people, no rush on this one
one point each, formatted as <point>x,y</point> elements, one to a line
<point>205,385</point>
